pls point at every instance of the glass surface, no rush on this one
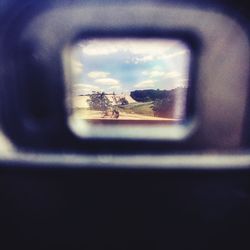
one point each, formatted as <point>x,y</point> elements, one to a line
<point>129,80</point>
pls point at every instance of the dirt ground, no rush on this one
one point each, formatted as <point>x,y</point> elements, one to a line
<point>91,114</point>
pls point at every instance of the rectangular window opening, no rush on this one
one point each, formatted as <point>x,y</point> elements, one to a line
<point>129,81</point>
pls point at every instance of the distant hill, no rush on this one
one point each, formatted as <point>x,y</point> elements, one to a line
<point>166,103</point>
<point>149,95</point>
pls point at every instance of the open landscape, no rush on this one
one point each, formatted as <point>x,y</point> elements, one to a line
<point>167,105</point>
<point>130,79</point>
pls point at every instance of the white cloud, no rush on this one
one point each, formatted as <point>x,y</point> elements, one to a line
<point>172,74</point>
<point>180,78</point>
<point>101,47</point>
<point>162,74</point>
<point>115,87</point>
<point>161,56</point>
<point>145,84</point>
<point>107,81</point>
<point>183,52</point>
<point>98,74</point>
<point>145,47</point>
<point>153,73</point>
<point>148,47</point>
<point>82,89</point>
<point>144,59</point>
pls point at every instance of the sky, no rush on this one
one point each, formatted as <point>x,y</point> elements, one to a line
<point>124,65</point>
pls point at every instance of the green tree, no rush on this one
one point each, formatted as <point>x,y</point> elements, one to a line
<point>99,101</point>
<point>164,107</point>
<point>123,101</point>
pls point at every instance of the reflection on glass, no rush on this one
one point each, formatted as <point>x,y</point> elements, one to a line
<point>130,79</point>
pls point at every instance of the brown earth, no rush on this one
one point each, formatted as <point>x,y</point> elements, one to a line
<point>91,114</point>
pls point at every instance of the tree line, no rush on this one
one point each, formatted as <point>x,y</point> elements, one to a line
<point>163,102</point>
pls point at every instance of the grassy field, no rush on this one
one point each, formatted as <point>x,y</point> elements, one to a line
<point>137,108</point>
<point>129,111</point>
